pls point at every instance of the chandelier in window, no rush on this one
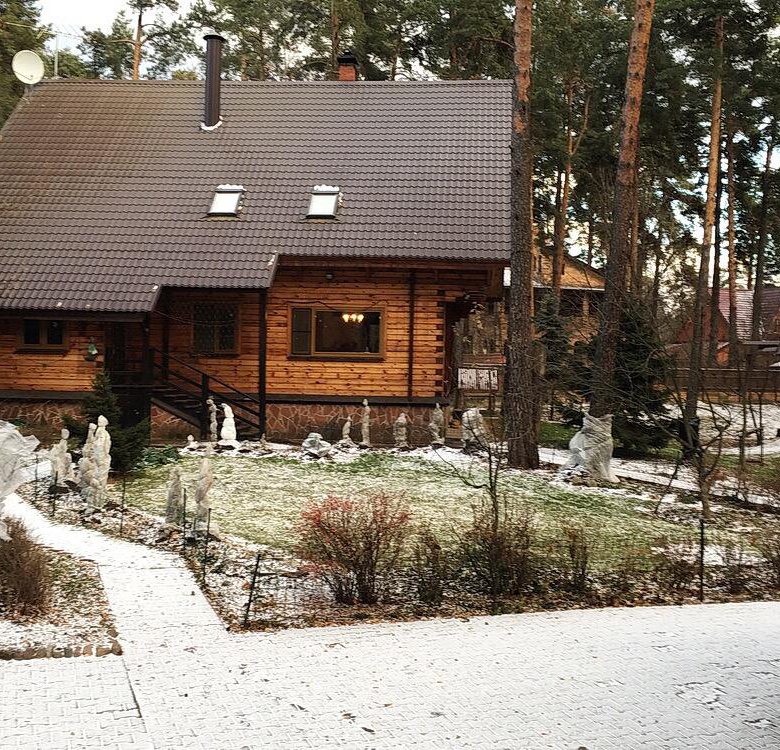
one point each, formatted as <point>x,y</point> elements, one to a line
<point>352,317</point>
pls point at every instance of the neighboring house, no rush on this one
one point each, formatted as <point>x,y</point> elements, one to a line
<point>770,317</point>
<point>303,246</point>
<point>483,333</point>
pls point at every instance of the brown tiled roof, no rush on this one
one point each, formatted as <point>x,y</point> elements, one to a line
<point>104,185</point>
<point>770,303</point>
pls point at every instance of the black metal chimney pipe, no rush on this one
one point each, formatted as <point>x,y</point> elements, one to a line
<point>213,79</point>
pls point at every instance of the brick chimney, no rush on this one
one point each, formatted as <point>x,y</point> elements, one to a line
<point>348,66</point>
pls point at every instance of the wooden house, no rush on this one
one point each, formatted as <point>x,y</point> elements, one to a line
<point>288,248</point>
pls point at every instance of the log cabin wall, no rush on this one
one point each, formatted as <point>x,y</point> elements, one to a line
<point>66,370</point>
<point>360,285</point>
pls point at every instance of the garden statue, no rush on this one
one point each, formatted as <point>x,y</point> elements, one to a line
<point>205,483</point>
<point>365,426</point>
<point>473,431</point>
<point>15,452</point>
<point>101,460</point>
<point>263,446</point>
<point>436,427</point>
<point>61,461</point>
<point>87,467</point>
<point>315,446</point>
<point>228,434</point>
<point>346,432</point>
<point>212,408</point>
<point>591,450</point>
<point>400,432</point>
<point>191,444</point>
<point>174,508</point>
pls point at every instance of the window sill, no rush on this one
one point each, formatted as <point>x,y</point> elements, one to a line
<point>217,355</point>
<point>336,357</point>
<point>42,350</point>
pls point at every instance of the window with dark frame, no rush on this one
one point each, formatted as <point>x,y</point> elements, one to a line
<point>43,334</point>
<point>333,333</point>
<point>215,328</point>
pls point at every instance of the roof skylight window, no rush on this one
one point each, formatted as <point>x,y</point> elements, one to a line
<point>324,203</point>
<point>227,200</point>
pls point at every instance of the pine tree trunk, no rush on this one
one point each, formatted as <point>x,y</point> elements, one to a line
<point>758,291</point>
<point>732,250</point>
<point>558,232</point>
<point>520,403</point>
<point>137,47</point>
<point>619,261</point>
<point>693,386</point>
<point>335,39</point>
<point>712,351</point>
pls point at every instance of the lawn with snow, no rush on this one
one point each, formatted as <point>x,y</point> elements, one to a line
<point>261,498</point>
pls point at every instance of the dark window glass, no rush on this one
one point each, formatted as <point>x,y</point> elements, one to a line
<point>32,332</point>
<point>43,333</point>
<point>347,332</point>
<point>571,303</point>
<point>54,333</point>
<point>301,330</point>
<point>215,328</point>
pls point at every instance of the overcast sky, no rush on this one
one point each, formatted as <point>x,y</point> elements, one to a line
<point>68,16</point>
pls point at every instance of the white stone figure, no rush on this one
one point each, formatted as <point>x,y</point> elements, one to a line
<point>101,457</point>
<point>87,467</point>
<point>61,460</point>
<point>228,434</point>
<point>212,407</point>
<point>400,432</point>
<point>315,446</point>
<point>192,445</point>
<point>436,427</point>
<point>205,483</point>
<point>174,507</point>
<point>591,450</point>
<point>263,446</point>
<point>346,431</point>
<point>15,452</point>
<point>365,425</point>
<point>473,431</point>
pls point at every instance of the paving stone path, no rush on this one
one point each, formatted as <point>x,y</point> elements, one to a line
<point>653,678</point>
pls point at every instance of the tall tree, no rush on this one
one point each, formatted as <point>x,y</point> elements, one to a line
<point>693,385</point>
<point>108,55</point>
<point>520,404</point>
<point>19,29</point>
<point>147,31</point>
<point>619,260</point>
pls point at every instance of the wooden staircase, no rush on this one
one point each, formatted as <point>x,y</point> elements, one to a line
<point>182,390</point>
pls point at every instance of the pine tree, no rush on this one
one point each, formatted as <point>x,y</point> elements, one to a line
<point>127,442</point>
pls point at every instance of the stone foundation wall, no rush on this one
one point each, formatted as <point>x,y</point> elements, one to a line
<point>293,422</point>
<point>284,422</point>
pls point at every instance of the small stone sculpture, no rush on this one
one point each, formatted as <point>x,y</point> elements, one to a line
<point>212,407</point>
<point>101,458</point>
<point>174,508</point>
<point>228,434</point>
<point>263,446</point>
<point>192,445</point>
<point>591,450</point>
<point>365,425</point>
<point>436,427</point>
<point>205,483</point>
<point>346,431</point>
<point>87,467</point>
<point>473,431</point>
<point>15,452</point>
<point>61,461</point>
<point>400,432</point>
<point>315,446</point>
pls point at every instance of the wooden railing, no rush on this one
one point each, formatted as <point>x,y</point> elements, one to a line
<point>732,382</point>
<point>198,385</point>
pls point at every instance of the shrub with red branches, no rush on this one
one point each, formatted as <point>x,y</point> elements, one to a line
<point>355,543</point>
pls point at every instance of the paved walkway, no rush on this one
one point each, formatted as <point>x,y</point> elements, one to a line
<point>652,678</point>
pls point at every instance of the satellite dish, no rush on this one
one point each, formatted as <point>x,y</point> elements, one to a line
<point>27,67</point>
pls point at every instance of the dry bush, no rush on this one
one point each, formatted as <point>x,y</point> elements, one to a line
<point>736,566</point>
<point>355,543</point>
<point>25,581</point>
<point>628,569</point>
<point>676,566</point>
<point>497,549</point>
<point>430,568</point>
<point>768,545</point>
<point>579,545</point>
